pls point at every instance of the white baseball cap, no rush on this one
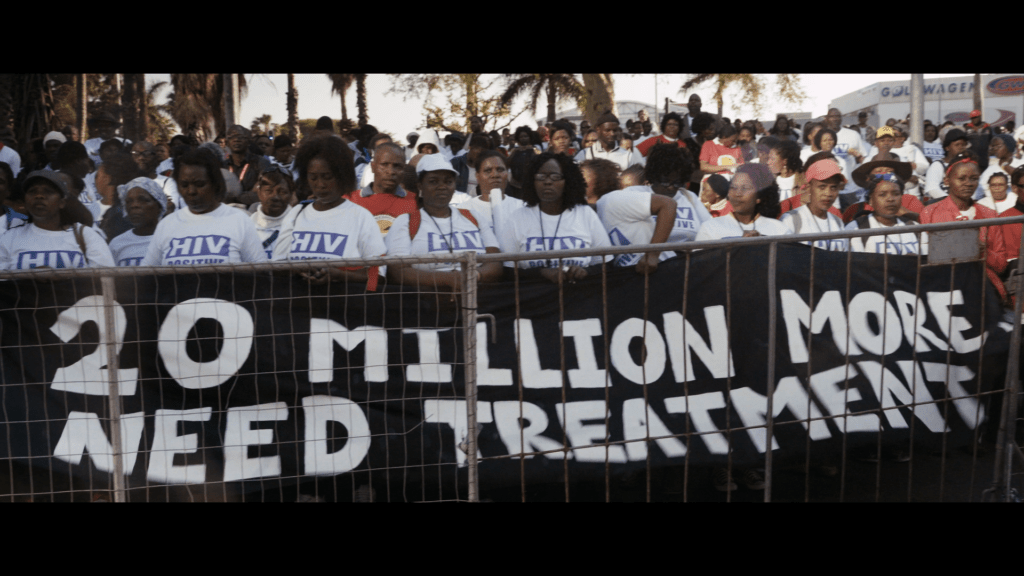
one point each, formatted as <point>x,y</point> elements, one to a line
<point>434,162</point>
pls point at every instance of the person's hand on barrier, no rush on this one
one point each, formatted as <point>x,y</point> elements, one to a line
<point>568,273</point>
<point>316,277</point>
<point>751,234</point>
<point>648,263</point>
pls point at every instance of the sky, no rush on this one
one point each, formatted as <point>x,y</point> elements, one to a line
<point>389,113</point>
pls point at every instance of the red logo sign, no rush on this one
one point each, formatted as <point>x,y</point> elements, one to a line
<point>1007,85</point>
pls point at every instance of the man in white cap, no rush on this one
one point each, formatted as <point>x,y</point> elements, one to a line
<point>51,143</point>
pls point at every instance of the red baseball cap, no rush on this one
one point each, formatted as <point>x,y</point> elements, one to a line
<point>823,170</point>
<point>975,113</point>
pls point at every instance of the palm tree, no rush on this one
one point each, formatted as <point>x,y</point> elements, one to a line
<point>361,99</point>
<point>340,83</point>
<point>557,86</point>
<point>293,107</point>
<point>261,124</point>
<point>160,126</point>
<point>197,103</point>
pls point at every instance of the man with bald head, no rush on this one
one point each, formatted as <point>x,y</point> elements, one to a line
<point>849,144</point>
<point>384,197</point>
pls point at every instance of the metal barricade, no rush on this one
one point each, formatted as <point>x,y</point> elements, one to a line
<point>629,469</point>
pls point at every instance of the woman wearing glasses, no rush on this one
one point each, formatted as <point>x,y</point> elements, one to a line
<point>678,213</point>
<point>555,217</point>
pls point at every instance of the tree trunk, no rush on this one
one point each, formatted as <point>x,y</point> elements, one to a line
<point>129,109</point>
<point>230,110</point>
<point>82,106</point>
<point>551,101</point>
<point>119,89</point>
<point>361,99</point>
<point>293,108</point>
<point>600,95</point>
<point>143,111</point>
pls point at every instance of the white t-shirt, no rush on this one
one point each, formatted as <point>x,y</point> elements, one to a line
<point>224,235</point>
<point>572,229</point>
<point>847,140</point>
<point>983,190</point>
<point>481,209</point>
<point>436,235</point>
<point>11,157</point>
<point>933,150</point>
<point>803,221</point>
<point>1009,202</point>
<point>269,229</point>
<point>626,215</point>
<point>29,246</point>
<point>728,227</point>
<point>786,186</point>
<point>346,231</point>
<point>92,146</point>
<point>129,249</point>
<point>902,243</point>
<point>13,223</point>
<point>170,187</point>
<point>933,186</point>
<point>624,158</point>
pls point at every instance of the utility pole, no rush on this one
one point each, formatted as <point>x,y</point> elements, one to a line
<point>917,109</point>
<point>657,120</point>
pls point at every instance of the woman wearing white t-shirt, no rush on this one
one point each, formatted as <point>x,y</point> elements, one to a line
<point>329,227</point>
<point>999,198</point>
<point>754,196</point>
<point>640,215</point>
<point>207,231</point>
<point>50,239</point>
<point>825,179</point>
<point>932,143</point>
<point>885,194</point>
<point>1000,161</point>
<point>556,217</point>
<point>145,203</point>
<point>439,228</point>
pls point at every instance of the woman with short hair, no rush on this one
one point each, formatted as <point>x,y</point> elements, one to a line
<point>724,156</point>
<point>784,162</point>
<point>50,239</point>
<point>144,203</point>
<point>626,214</point>
<point>671,124</point>
<point>207,231</point>
<point>329,227</point>
<point>754,196</point>
<point>561,139</point>
<point>437,228</point>
<point>602,176</point>
<point>555,217</point>
<point>885,192</point>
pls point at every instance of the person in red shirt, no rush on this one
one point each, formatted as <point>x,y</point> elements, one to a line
<point>384,197</point>
<point>962,178</point>
<point>671,124</point>
<point>714,157</point>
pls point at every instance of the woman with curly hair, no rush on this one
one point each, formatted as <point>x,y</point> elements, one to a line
<point>754,197</point>
<point>330,227</point>
<point>555,217</point>
<point>671,124</point>
<point>626,214</point>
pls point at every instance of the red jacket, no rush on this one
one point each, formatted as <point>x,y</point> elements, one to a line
<point>645,146</point>
<point>991,237</point>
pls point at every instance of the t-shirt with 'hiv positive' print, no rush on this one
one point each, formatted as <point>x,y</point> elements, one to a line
<point>346,231</point>
<point>530,230</point>
<point>185,239</point>
<point>29,246</point>
<point>436,235</point>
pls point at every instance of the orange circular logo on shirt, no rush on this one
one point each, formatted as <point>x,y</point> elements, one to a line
<point>726,160</point>
<point>384,222</point>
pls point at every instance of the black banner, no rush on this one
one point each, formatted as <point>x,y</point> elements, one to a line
<point>249,377</point>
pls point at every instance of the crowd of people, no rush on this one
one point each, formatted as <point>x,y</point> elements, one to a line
<point>250,198</point>
<point>253,198</point>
